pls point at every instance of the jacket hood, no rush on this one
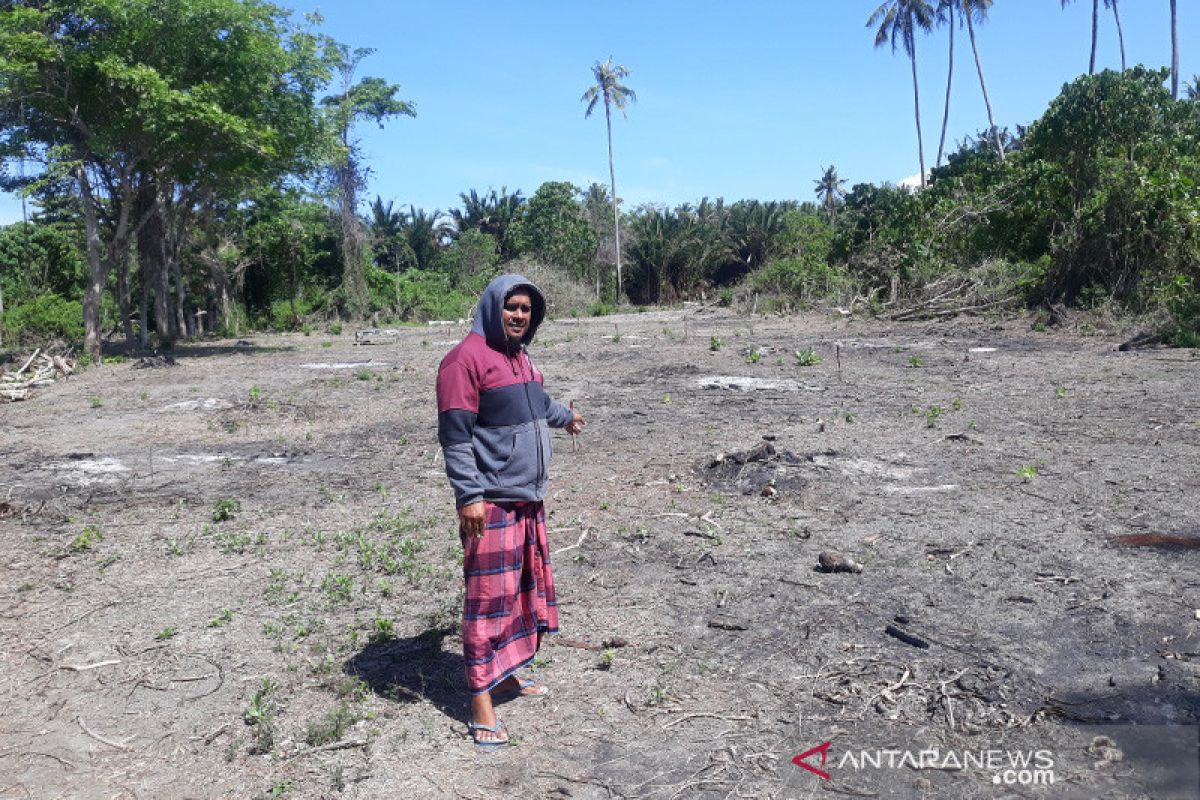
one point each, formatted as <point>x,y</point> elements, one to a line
<point>490,324</point>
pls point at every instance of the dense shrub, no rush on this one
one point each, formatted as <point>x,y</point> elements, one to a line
<point>47,316</point>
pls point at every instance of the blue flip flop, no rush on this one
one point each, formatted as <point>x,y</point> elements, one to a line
<point>488,744</point>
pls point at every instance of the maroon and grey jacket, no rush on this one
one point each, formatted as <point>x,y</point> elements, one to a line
<point>494,417</point>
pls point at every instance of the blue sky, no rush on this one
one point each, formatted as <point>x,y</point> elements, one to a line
<point>738,100</point>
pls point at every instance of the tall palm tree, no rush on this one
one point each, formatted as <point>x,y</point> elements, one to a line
<point>1095,32</point>
<point>898,21</point>
<point>1193,88</point>
<point>608,87</point>
<point>1174,54</point>
<point>976,11</point>
<point>830,191</point>
<point>945,15</point>
<point>1120,33</point>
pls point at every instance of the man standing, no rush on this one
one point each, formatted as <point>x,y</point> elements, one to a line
<point>494,420</point>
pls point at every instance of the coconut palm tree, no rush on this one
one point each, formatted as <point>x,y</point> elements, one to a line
<point>976,11</point>
<point>1193,88</point>
<point>1120,33</point>
<point>1174,53</point>
<point>1095,32</point>
<point>898,22</point>
<point>945,16</point>
<point>608,87</point>
<point>830,191</point>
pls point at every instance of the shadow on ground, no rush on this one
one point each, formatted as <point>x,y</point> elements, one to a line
<point>412,669</point>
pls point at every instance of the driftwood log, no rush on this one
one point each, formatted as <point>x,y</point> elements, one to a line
<point>39,370</point>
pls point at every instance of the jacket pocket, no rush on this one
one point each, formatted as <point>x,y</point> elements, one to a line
<point>520,469</point>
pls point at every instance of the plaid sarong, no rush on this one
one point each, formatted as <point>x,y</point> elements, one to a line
<point>510,598</point>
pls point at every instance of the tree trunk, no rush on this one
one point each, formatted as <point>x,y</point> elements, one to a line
<point>125,300</point>
<point>1095,35</point>
<point>612,178</point>
<point>1174,54</point>
<point>987,101</point>
<point>96,268</point>
<point>912,51</point>
<point>147,248</point>
<point>949,80</point>
<point>1120,33</point>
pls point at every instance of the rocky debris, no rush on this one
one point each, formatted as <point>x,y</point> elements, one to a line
<point>156,361</point>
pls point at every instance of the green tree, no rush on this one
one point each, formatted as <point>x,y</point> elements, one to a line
<point>609,89</point>
<point>493,213</point>
<point>555,231</point>
<point>115,93</point>
<point>370,99</point>
<point>899,21</point>
<point>830,191</point>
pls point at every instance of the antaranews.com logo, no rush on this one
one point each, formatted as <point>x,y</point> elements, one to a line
<point>1007,767</point>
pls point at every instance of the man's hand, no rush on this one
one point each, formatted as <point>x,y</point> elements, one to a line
<point>576,424</point>
<point>472,519</point>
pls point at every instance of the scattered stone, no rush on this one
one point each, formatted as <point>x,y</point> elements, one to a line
<point>828,561</point>
<point>615,641</point>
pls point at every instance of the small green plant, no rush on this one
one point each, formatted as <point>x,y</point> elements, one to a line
<point>88,538</point>
<point>255,395</point>
<point>326,344</point>
<point>363,374</point>
<point>807,358</point>
<point>225,509</point>
<point>915,362</point>
<point>97,402</point>
<point>1027,472</point>
<point>222,619</point>
<point>666,399</point>
<point>606,659</point>
<point>725,297</point>
<point>144,396</point>
<point>715,344</point>
<point>931,416</point>
<point>384,631</point>
<point>957,405</point>
<point>753,357</point>
<point>1060,392</point>
<point>335,329</point>
<point>260,714</point>
<point>337,587</point>
<point>277,790</point>
<point>306,329</point>
<point>166,633</point>
<point>330,727</point>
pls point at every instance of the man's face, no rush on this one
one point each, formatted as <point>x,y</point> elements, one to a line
<point>517,311</point>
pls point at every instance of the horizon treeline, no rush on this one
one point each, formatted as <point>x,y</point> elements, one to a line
<point>210,184</point>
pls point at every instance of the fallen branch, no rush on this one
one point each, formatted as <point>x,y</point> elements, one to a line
<point>325,748</point>
<point>98,737</point>
<point>582,536</point>
<point>86,667</point>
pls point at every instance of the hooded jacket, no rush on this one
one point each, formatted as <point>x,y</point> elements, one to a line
<point>494,416</point>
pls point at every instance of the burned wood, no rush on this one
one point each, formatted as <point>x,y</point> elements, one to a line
<point>906,637</point>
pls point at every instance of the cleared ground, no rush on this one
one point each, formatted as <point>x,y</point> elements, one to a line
<point>239,576</point>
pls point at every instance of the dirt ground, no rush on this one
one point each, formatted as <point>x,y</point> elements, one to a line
<point>238,576</point>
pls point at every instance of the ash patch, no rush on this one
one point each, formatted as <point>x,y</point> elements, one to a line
<point>763,469</point>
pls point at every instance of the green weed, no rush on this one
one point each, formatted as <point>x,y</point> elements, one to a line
<point>226,509</point>
<point>715,344</point>
<point>807,358</point>
<point>88,538</point>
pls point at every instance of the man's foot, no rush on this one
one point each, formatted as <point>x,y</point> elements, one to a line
<point>512,686</point>
<point>488,737</point>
